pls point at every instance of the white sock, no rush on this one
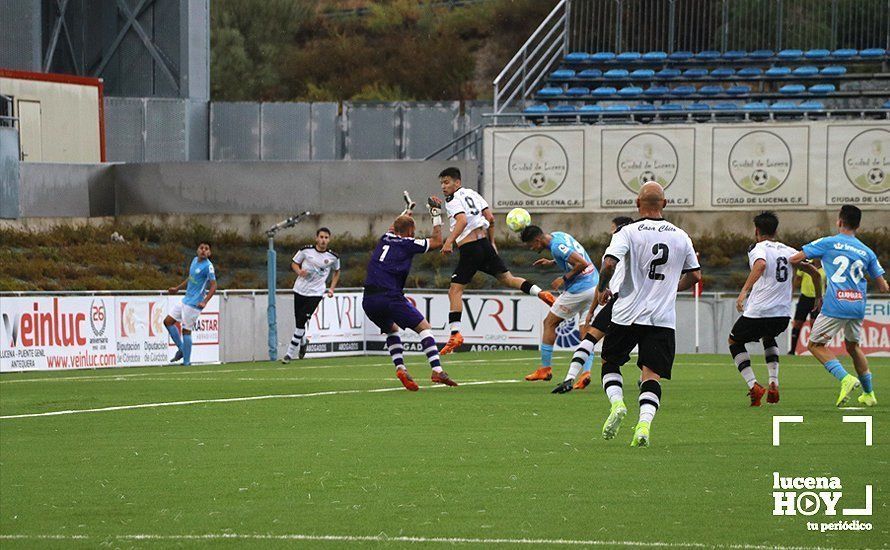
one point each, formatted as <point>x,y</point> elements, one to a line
<point>647,412</point>
<point>773,369</point>
<point>534,290</point>
<point>293,349</point>
<point>748,374</point>
<point>615,392</point>
<point>584,349</point>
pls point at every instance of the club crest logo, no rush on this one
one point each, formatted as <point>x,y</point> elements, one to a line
<point>567,334</point>
<point>538,166</point>
<point>647,157</point>
<point>760,162</point>
<point>867,161</point>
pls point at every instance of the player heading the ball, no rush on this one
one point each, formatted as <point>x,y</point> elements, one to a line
<point>384,301</point>
<point>472,231</point>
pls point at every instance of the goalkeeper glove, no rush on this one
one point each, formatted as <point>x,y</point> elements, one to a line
<point>434,205</point>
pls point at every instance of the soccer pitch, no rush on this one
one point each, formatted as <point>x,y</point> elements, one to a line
<point>331,453</point>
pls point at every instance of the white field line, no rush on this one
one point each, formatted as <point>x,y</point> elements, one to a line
<point>185,371</point>
<point>234,400</point>
<point>405,539</point>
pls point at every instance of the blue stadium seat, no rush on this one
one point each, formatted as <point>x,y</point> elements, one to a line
<point>683,90</point>
<point>822,88</point>
<point>748,72</point>
<point>577,57</point>
<point>734,55</point>
<point>602,56</point>
<point>564,109</point>
<point>591,109</point>
<point>643,107</point>
<point>760,55</point>
<point>783,106</point>
<point>722,72</point>
<point>816,54</point>
<point>630,91</point>
<point>739,90</point>
<point>578,91</point>
<point>698,107</point>
<point>726,107</point>
<point>590,73</point>
<point>695,73</point>
<point>618,107</point>
<point>833,70</point>
<point>654,56</point>
<point>628,57</point>
<point>708,55</point>
<point>643,74</point>
<point>604,91</point>
<point>805,70</point>
<point>871,53</point>
<point>537,109</point>
<point>844,53</point>
<point>792,89</point>
<point>778,71</point>
<point>710,90</point>
<point>656,91</point>
<point>756,106</point>
<point>887,105</point>
<point>550,92</point>
<point>811,106</point>
<point>789,54</point>
<point>666,74</point>
<point>562,74</point>
<point>682,55</point>
<point>616,73</point>
<point>675,107</point>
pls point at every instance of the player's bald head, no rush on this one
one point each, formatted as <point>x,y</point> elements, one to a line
<point>651,196</point>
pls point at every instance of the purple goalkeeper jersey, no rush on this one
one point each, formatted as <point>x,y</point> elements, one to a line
<point>391,262</point>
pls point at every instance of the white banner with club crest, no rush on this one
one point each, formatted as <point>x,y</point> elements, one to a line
<point>858,158</point>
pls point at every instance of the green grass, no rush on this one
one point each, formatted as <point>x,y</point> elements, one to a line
<point>487,461</point>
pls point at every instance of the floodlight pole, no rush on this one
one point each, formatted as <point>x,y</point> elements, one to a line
<point>271,280</point>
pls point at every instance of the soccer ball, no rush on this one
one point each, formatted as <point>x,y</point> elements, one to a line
<point>759,178</point>
<point>875,176</point>
<point>518,219</point>
<point>537,181</point>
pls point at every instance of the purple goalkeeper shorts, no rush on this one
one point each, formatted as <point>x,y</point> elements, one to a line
<point>384,309</point>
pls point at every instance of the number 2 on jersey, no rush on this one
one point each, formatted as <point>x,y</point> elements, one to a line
<point>856,270</point>
<point>658,248</point>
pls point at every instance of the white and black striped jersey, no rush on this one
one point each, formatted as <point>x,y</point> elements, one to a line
<point>471,204</point>
<point>771,293</point>
<point>319,265</point>
<point>655,254</point>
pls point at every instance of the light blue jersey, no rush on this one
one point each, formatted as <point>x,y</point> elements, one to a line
<point>846,261</point>
<point>200,273</point>
<point>561,247</point>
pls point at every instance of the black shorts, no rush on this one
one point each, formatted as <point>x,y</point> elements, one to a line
<point>656,347</point>
<point>805,307</point>
<point>304,307</point>
<point>603,320</point>
<point>477,256</point>
<point>747,329</point>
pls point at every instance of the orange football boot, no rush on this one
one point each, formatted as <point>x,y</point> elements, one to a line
<point>583,381</point>
<point>547,298</point>
<point>756,394</point>
<point>543,373</point>
<point>406,380</point>
<point>453,344</point>
<point>442,378</point>
<point>772,394</point>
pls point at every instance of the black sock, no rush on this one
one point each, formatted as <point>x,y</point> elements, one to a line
<point>454,321</point>
<point>526,287</point>
<point>795,336</point>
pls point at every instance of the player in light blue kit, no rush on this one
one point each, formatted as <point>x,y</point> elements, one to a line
<point>846,261</point>
<point>579,280</point>
<point>199,288</point>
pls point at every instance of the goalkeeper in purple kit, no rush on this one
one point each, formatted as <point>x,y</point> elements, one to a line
<point>384,301</point>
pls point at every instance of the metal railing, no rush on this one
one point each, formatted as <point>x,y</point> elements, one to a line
<point>696,25</point>
<point>533,61</point>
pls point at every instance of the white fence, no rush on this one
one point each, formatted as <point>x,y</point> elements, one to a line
<point>46,331</point>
